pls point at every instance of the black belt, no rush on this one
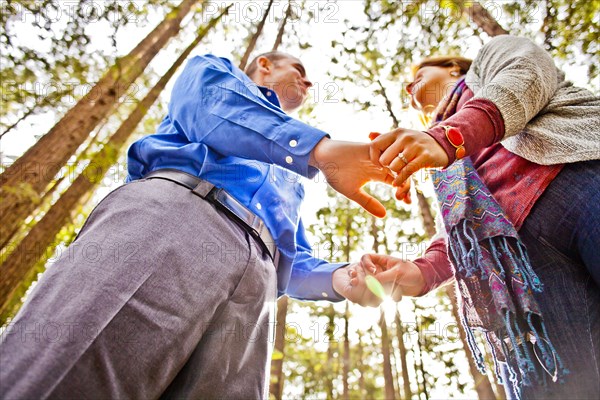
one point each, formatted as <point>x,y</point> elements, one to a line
<point>226,202</point>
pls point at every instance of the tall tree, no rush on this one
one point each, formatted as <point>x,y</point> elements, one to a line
<point>361,366</point>
<point>482,17</point>
<point>388,376</point>
<point>407,392</point>
<point>332,352</point>
<point>346,356</point>
<point>64,237</point>
<point>276,382</point>
<point>33,246</point>
<point>419,359</point>
<point>282,24</point>
<point>348,245</point>
<point>25,181</point>
<point>41,78</point>
<point>255,36</point>
<point>390,392</point>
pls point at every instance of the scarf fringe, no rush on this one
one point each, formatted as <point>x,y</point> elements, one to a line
<point>475,350</point>
<point>468,261</point>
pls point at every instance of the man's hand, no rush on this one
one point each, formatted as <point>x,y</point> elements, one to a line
<point>349,281</point>
<point>398,277</point>
<point>347,168</point>
<point>418,149</point>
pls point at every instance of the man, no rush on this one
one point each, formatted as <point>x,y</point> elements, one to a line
<point>169,288</point>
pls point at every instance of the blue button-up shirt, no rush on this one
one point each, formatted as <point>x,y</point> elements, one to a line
<point>225,129</point>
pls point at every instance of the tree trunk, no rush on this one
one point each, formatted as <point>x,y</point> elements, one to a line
<point>395,369</point>
<point>346,368</point>
<point>388,105</point>
<point>34,245</point>
<point>426,214</point>
<point>483,387</point>
<point>348,232</point>
<point>390,392</point>
<point>15,299</point>
<point>255,37</point>
<point>277,381</point>
<point>46,199</point>
<point>276,386</point>
<point>375,234</point>
<point>330,367</point>
<point>280,32</point>
<point>402,347</point>
<point>24,182</point>
<point>418,356</point>
<point>484,20</point>
<point>421,366</point>
<point>362,391</point>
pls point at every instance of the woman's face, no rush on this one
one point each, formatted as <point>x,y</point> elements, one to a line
<point>429,87</point>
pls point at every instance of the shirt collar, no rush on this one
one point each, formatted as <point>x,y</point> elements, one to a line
<point>270,95</point>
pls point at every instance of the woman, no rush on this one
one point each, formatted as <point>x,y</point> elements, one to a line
<point>522,149</point>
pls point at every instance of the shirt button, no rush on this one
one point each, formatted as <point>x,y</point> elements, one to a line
<point>269,94</point>
<point>324,294</point>
<point>293,143</point>
<point>289,160</point>
<point>258,206</point>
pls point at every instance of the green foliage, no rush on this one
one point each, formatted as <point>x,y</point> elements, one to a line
<point>571,31</point>
<point>49,53</point>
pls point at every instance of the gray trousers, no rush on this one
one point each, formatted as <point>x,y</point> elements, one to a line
<point>160,296</point>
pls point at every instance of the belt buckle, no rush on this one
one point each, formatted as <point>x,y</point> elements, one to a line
<point>257,224</point>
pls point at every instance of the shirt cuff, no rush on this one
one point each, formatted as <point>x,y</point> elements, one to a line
<point>296,141</point>
<point>480,123</point>
<point>435,266</point>
<point>320,284</point>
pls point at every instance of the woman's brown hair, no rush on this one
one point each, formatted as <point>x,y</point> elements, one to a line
<point>445,61</point>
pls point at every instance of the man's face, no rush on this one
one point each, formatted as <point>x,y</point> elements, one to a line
<point>287,78</point>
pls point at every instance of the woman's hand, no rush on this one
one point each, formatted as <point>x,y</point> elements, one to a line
<point>402,191</point>
<point>405,151</point>
<point>398,277</point>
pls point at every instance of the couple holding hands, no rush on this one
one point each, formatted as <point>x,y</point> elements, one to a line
<point>214,217</point>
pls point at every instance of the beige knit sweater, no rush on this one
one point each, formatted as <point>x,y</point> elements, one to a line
<point>547,119</point>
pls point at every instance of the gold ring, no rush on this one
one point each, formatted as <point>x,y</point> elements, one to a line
<point>402,158</point>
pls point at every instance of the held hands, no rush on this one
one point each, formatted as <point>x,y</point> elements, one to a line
<point>405,151</point>
<point>351,282</point>
<point>391,158</point>
<point>398,278</point>
<point>347,167</point>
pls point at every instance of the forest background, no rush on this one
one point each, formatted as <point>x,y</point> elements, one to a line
<point>81,80</point>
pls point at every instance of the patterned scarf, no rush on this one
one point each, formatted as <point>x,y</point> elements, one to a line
<point>494,277</point>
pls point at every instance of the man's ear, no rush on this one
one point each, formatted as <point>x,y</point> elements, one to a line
<point>264,65</point>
